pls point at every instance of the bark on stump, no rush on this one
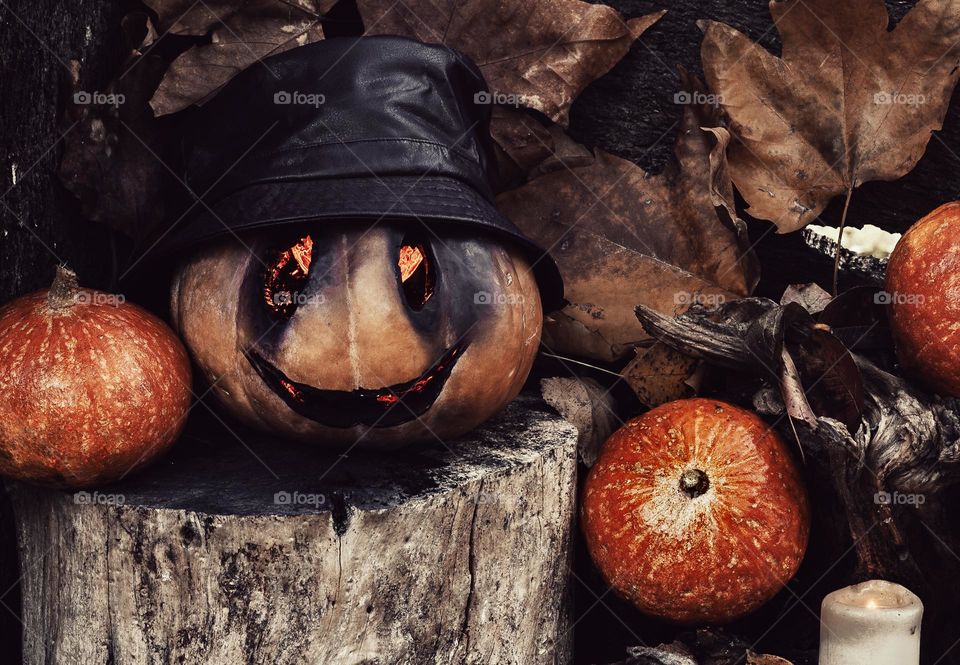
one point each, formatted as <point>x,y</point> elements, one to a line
<point>273,553</point>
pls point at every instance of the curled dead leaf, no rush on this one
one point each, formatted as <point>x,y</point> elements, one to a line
<point>659,374</point>
<point>621,236</point>
<point>809,296</point>
<point>241,35</point>
<point>535,53</point>
<point>848,102</point>
<point>816,374</point>
<point>703,647</point>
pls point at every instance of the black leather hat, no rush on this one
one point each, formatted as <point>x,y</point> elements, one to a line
<point>364,129</point>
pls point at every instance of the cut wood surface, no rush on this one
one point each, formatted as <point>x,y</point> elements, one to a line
<point>269,552</point>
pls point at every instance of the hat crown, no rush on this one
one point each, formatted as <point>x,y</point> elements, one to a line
<point>347,129</point>
<point>341,108</point>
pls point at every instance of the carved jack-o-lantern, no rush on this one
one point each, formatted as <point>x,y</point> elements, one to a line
<point>348,277</point>
<point>336,334</point>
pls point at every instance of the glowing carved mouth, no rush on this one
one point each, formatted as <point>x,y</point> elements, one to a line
<point>372,407</point>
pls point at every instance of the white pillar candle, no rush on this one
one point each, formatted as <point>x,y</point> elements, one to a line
<point>872,623</point>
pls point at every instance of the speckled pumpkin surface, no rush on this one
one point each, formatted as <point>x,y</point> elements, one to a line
<point>696,512</point>
<point>91,387</point>
<point>923,282</point>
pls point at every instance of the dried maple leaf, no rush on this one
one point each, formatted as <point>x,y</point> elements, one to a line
<point>621,236</point>
<point>535,53</point>
<point>241,33</point>
<point>848,102</point>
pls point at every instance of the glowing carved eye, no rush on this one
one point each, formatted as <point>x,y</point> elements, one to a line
<point>286,276</point>
<point>416,274</point>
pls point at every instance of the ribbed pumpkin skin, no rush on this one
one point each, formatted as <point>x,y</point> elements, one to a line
<point>359,332</point>
<point>88,392</point>
<point>708,559</point>
<point>923,281</point>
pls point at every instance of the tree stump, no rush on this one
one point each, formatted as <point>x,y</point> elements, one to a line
<point>271,552</point>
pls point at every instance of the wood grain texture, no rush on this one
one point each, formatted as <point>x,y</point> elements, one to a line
<point>456,555</point>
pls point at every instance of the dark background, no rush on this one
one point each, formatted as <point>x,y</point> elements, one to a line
<point>630,112</point>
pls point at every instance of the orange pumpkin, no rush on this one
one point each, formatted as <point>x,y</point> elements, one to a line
<point>91,388</point>
<point>379,337</point>
<point>923,288</point>
<point>696,512</point>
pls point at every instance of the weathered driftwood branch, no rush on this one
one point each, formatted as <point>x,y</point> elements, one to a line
<point>908,439</point>
<point>276,554</point>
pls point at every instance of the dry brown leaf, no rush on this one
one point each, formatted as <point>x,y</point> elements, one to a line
<point>114,153</point>
<point>564,333</point>
<point>527,149</point>
<point>587,406</point>
<point>659,374</point>
<point>241,34</point>
<point>566,154</point>
<point>848,102</point>
<point>138,32</point>
<point>809,296</point>
<point>754,658</point>
<point>535,53</point>
<point>189,17</point>
<point>623,237</point>
<point>791,387</point>
<point>521,143</point>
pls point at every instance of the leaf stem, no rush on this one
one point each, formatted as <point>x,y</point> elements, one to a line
<point>577,362</point>
<point>836,258</point>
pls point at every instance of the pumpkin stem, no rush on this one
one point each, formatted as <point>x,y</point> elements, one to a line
<point>63,291</point>
<point>694,482</point>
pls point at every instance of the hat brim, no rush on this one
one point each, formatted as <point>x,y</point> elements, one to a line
<point>438,202</point>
